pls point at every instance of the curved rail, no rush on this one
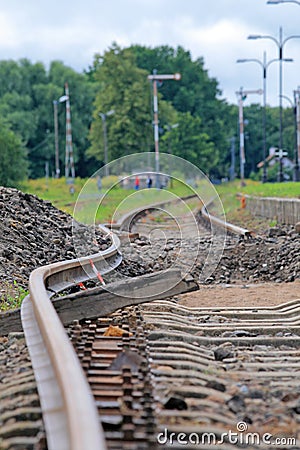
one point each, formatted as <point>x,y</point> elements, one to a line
<point>71,421</point>
<point>224,224</point>
<point>128,219</point>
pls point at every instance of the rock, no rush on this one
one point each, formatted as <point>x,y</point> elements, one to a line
<point>35,233</point>
<point>221,353</point>
<point>216,385</point>
<point>276,231</point>
<point>236,404</point>
<point>176,403</point>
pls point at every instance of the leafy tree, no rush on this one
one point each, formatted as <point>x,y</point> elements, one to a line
<point>13,165</point>
<point>123,88</point>
<point>27,93</point>
<point>18,111</point>
<point>118,81</point>
<point>196,93</point>
<point>189,142</point>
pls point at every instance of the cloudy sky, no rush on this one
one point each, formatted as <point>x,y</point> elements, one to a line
<point>74,30</point>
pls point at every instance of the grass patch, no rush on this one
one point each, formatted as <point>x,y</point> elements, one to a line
<point>230,196</point>
<point>12,296</point>
<point>229,192</point>
<point>90,204</point>
<point>289,189</point>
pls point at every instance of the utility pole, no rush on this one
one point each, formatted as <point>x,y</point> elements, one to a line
<point>155,78</point>
<point>61,99</point>
<point>232,165</point>
<point>297,148</point>
<point>280,44</point>
<point>69,162</point>
<point>103,118</point>
<point>242,95</point>
<point>57,169</point>
<point>280,155</point>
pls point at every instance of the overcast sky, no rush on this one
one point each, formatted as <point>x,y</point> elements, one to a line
<point>74,30</point>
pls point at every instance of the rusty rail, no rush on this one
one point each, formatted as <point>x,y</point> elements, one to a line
<point>72,420</point>
<point>69,412</point>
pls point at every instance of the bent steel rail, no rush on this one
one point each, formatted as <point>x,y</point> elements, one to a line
<point>71,417</point>
<point>223,224</point>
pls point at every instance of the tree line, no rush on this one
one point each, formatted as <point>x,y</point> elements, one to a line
<point>195,123</point>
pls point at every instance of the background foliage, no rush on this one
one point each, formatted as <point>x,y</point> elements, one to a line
<point>194,121</point>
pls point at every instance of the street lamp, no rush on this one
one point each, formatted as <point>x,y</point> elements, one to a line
<point>276,2</point>
<point>55,103</point>
<point>242,95</point>
<point>103,117</point>
<point>297,150</point>
<point>280,44</point>
<point>295,113</point>
<point>169,128</point>
<point>155,78</point>
<point>264,65</point>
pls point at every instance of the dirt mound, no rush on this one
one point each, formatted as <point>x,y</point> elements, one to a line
<point>34,233</point>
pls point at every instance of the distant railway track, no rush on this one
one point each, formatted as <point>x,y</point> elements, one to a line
<point>149,371</point>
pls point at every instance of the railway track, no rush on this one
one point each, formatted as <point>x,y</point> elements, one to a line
<point>206,378</point>
<point>158,375</point>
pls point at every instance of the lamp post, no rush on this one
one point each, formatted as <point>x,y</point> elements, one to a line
<point>264,65</point>
<point>103,117</point>
<point>295,113</point>
<point>69,158</point>
<point>169,128</point>
<point>280,44</point>
<point>242,95</point>
<point>155,77</point>
<point>57,169</point>
<point>297,149</point>
<point>277,2</point>
<point>55,103</point>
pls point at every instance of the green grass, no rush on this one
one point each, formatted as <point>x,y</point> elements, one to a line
<point>57,191</point>
<point>290,189</point>
<point>87,204</point>
<point>12,296</point>
<point>229,192</point>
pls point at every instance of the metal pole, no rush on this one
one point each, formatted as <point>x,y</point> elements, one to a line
<point>242,147</point>
<point>264,66</point>
<point>280,43</point>
<point>69,148</point>
<point>105,145</point>
<point>264,178</point>
<point>103,117</point>
<point>241,96</point>
<point>232,166</point>
<point>297,152</point>
<point>57,169</point>
<point>280,175</point>
<point>154,78</point>
<point>156,133</point>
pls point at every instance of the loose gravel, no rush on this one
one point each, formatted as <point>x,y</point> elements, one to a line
<point>35,233</point>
